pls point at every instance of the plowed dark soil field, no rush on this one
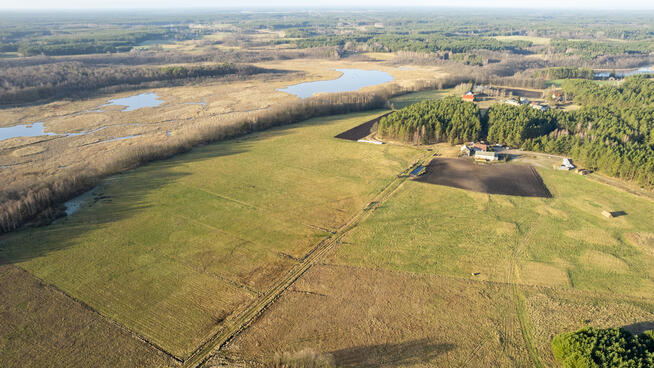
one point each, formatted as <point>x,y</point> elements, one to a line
<point>496,178</point>
<point>360,131</point>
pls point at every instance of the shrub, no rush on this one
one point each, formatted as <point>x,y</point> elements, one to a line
<point>613,347</point>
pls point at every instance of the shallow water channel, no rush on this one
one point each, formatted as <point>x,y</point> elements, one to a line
<point>351,80</point>
<point>38,129</point>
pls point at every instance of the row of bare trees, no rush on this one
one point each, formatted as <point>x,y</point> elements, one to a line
<point>36,201</point>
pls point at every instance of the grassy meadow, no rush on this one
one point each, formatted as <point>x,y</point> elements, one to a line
<point>562,241</point>
<point>415,97</point>
<point>173,249</point>
<point>437,273</point>
<point>433,275</point>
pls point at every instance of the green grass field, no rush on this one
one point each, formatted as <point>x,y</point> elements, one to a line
<point>415,97</point>
<point>178,246</point>
<point>563,241</point>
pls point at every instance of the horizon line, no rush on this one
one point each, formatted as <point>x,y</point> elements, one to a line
<point>326,7</point>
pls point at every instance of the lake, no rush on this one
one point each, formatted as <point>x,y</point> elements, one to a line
<point>351,80</point>
<point>643,70</point>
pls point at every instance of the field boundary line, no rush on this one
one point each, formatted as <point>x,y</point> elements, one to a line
<point>107,318</point>
<point>252,312</point>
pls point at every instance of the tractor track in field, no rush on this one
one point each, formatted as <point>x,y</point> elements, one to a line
<point>233,327</point>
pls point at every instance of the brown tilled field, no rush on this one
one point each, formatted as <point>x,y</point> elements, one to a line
<point>497,178</point>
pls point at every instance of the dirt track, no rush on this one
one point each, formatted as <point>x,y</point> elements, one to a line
<point>497,178</point>
<point>360,131</point>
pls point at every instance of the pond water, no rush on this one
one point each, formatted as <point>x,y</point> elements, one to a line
<point>136,101</point>
<point>351,80</point>
<point>121,138</point>
<point>643,70</point>
<point>78,202</point>
<point>38,129</point>
<point>25,130</point>
<point>417,170</point>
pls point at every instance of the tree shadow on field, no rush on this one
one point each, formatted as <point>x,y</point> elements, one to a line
<point>420,351</point>
<point>639,327</point>
<point>126,196</point>
<point>116,198</point>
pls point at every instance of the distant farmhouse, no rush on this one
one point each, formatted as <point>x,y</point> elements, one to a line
<point>468,96</point>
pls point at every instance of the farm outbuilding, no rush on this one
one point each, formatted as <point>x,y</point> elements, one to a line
<point>486,156</point>
<point>566,165</point>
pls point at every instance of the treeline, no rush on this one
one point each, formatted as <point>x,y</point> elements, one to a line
<point>612,347</point>
<point>432,121</point>
<point>513,125</point>
<point>414,42</point>
<point>619,143</point>
<point>565,73</point>
<point>38,202</point>
<point>614,134</point>
<point>34,83</point>
<point>73,40</point>
<point>633,91</point>
<point>592,49</point>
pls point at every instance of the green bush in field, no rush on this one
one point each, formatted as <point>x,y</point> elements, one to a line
<point>613,347</point>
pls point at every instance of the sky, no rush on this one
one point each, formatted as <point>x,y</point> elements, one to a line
<point>376,4</point>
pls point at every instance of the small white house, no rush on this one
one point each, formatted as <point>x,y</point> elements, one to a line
<point>566,165</point>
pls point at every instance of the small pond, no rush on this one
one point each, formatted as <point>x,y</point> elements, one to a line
<point>78,202</point>
<point>351,80</point>
<point>25,130</point>
<point>137,101</point>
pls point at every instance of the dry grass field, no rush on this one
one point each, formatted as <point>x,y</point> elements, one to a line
<point>42,327</point>
<point>535,40</point>
<point>222,101</point>
<point>373,318</point>
<point>176,248</point>
<point>439,276</point>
